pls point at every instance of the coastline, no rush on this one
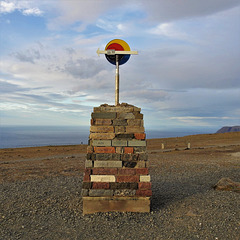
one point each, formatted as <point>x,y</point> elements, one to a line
<point>41,193</point>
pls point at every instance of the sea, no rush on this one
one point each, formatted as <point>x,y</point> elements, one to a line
<point>36,136</point>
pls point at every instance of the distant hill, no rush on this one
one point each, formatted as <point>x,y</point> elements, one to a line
<point>229,129</point>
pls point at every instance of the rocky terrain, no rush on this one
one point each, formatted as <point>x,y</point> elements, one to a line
<point>40,193</point>
<point>229,129</point>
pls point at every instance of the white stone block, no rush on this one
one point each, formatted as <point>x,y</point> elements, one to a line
<point>103,178</point>
<point>145,178</point>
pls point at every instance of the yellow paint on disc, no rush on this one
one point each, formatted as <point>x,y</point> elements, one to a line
<point>120,42</point>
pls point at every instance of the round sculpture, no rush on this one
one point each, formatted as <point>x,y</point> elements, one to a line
<point>117,45</point>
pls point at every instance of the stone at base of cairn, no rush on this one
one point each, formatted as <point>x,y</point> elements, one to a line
<point>115,204</point>
<point>116,176</point>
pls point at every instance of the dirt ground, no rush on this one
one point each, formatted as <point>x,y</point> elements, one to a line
<point>40,193</point>
<point>39,162</point>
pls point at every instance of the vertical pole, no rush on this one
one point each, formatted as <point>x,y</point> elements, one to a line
<point>117,82</point>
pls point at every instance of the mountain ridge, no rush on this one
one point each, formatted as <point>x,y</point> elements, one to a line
<point>229,129</point>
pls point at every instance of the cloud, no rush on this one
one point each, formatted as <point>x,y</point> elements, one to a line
<point>32,11</point>
<point>29,55</point>
<point>23,6</point>
<point>168,11</point>
<point>169,30</point>
<point>7,7</point>
<point>84,68</point>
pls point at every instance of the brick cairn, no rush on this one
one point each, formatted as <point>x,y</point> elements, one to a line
<point>116,174</point>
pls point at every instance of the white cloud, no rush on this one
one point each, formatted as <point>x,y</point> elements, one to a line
<point>169,30</point>
<point>7,7</point>
<point>32,11</point>
<point>25,7</point>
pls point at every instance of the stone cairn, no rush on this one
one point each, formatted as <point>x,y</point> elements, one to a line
<point>116,176</point>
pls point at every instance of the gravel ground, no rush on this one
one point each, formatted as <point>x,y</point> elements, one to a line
<point>184,205</point>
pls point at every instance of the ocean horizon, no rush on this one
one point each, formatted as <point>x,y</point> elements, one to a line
<point>37,136</point>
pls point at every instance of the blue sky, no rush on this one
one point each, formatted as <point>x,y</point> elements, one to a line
<point>185,76</point>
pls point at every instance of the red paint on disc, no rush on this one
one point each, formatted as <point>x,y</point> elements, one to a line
<point>116,46</point>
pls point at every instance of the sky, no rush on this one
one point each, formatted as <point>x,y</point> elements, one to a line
<point>186,75</point>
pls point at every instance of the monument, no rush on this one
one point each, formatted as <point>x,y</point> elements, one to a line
<point>116,176</point>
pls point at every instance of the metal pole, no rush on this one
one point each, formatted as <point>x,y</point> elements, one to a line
<point>117,82</point>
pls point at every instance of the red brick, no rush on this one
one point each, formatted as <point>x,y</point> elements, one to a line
<point>140,136</point>
<point>144,193</point>
<point>104,171</point>
<point>142,171</point>
<point>126,171</point>
<point>86,178</point>
<point>104,149</point>
<point>144,185</point>
<point>134,178</point>
<point>100,185</point>
<point>128,150</point>
<point>87,171</point>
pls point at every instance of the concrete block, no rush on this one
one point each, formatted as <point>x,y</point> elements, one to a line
<point>103,178</point>
<point>119,129</point>
<point>102,143</point>
<point>141,164</point>
<point>135,122</point>
<point>145,178</point>
<point>115,204</point>
<point>91,156</point>
<point>143,156</point>
<point>107,164</point>
<point>88,164</point>
<point>119,150</point>
<point>119,122</point>
<point>102,129</point>
<point>104,115</point>
<point>103,122</point>
<point>86,185</point>
<point>115,109</point>
<point>101,136</point>
<point>84,192</point>
<point>104,156</point>
<point>138,115</point>
<point>125,116</point>
<point>119,143</point>
<point>137,143</point>
<point>125,136</point>
<point>124,192</point>
<point>100,192</point>
<point>139,149</point>
<point>134,129</point>
<point>89,149</point>
<point>116,156</point>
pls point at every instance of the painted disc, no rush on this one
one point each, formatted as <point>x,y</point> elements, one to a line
<point>118,45</point>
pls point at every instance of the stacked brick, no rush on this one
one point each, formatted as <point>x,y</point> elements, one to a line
<point>116,174</point>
